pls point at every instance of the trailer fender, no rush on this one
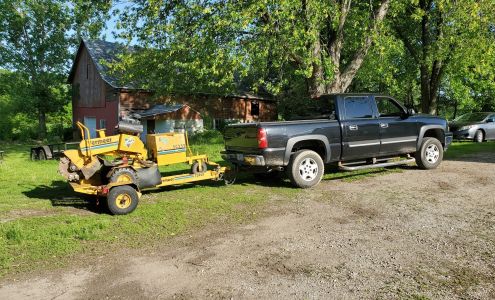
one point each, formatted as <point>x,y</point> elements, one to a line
<point>149,177</point>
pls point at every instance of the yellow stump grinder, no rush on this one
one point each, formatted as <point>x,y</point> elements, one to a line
<point>119,167</point>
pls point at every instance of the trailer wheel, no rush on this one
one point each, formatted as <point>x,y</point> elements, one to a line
<point>122,200</point>
<point>195,168</point>
<point>42,155</point>
<point>34,155</point>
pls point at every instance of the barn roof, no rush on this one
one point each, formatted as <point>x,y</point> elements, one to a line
<point>160,109</point>
<point>103,53</point>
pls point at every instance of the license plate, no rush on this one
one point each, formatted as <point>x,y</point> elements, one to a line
<point>250,160</point>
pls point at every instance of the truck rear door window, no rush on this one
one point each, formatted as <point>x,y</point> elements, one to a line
<point>358,108</point>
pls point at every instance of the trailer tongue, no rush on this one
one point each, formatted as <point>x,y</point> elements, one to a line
<point>119,167</point>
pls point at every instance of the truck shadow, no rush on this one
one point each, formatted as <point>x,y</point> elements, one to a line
<point>60,194</point>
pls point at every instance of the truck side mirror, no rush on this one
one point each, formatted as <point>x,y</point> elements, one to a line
<point>491,120</point>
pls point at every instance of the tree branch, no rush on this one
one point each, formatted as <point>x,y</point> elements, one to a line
<point>407,43</point>
<point>350,71</point>
<point>337,40</point>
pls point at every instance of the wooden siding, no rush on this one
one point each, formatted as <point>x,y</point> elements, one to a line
<point>231,108</point>
<point>91,95</point>
<point>134,100</point>
<point>109,114</point>
<point>89,87</point>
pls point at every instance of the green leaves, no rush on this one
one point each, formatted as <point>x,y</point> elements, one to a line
<point>37,39</point>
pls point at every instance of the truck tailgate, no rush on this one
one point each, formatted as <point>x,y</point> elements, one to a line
<point>241,137</point>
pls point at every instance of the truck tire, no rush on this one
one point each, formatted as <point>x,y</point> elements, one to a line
<point>122,200</point>
<point>305,169</point>
<point>124,175</point>
<point>430,154</point>
<point>479,137</point>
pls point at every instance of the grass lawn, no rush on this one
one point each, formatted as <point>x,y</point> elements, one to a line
<point>43,223</point>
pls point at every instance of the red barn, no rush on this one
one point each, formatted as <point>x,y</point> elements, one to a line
<point>99,100</point>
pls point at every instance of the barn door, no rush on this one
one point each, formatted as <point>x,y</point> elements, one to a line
<point>90,122</point>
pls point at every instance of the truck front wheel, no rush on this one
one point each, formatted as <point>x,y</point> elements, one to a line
<point>305,169</point>
<point>430,154</point>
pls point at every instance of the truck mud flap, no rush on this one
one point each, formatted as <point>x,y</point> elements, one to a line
<point>148,177</point>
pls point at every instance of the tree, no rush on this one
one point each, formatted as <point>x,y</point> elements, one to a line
<point>209,45</point>
<point>36,40</point>
<point>445,38</point>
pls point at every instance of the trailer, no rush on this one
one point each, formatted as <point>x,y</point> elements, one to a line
<point>50,151</point>
<point>122,197</point>
<point>118,168</point>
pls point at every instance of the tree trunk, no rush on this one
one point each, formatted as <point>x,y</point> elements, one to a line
<point>42,124</point>
<point>343,78</point>
<point>456,104</point>
<point>425,88</point>
<point>316,81</point>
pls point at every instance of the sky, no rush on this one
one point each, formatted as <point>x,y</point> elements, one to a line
<point>111,24</point>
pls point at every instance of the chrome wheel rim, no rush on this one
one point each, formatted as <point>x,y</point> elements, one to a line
<point>308,169</point>
<point>432,153</point>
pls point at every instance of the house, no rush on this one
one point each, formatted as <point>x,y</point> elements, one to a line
<point>99,99</point>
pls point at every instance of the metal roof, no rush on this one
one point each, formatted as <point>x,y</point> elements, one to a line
<point>104,53</point>
<point>160,109</point>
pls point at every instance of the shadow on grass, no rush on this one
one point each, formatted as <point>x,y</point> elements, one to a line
<point>60,194</point>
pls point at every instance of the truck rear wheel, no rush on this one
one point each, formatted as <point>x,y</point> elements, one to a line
<point>305,169</point>
<point>430,154</point>
<point>122,200</point>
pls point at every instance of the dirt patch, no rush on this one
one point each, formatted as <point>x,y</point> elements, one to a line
<point>402,235</point>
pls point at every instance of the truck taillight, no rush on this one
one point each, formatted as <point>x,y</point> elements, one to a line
<point>262,140</point>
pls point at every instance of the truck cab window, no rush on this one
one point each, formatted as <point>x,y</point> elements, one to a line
<point>358,108</point>
<point>388,108</point>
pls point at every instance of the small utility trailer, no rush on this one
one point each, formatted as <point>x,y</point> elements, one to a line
<point>51,151</point>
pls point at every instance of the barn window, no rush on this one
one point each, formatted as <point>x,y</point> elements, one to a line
<point>87,71</point>
<point>255,108</point>
<point>103,124</point>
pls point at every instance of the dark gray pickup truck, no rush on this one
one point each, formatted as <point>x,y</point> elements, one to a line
<point>356,131</point>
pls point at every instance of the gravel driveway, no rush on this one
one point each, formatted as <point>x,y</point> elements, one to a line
<point>415,234</point>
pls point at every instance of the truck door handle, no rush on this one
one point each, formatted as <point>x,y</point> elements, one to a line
<point>383,125</point>
<point>353,127</point>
